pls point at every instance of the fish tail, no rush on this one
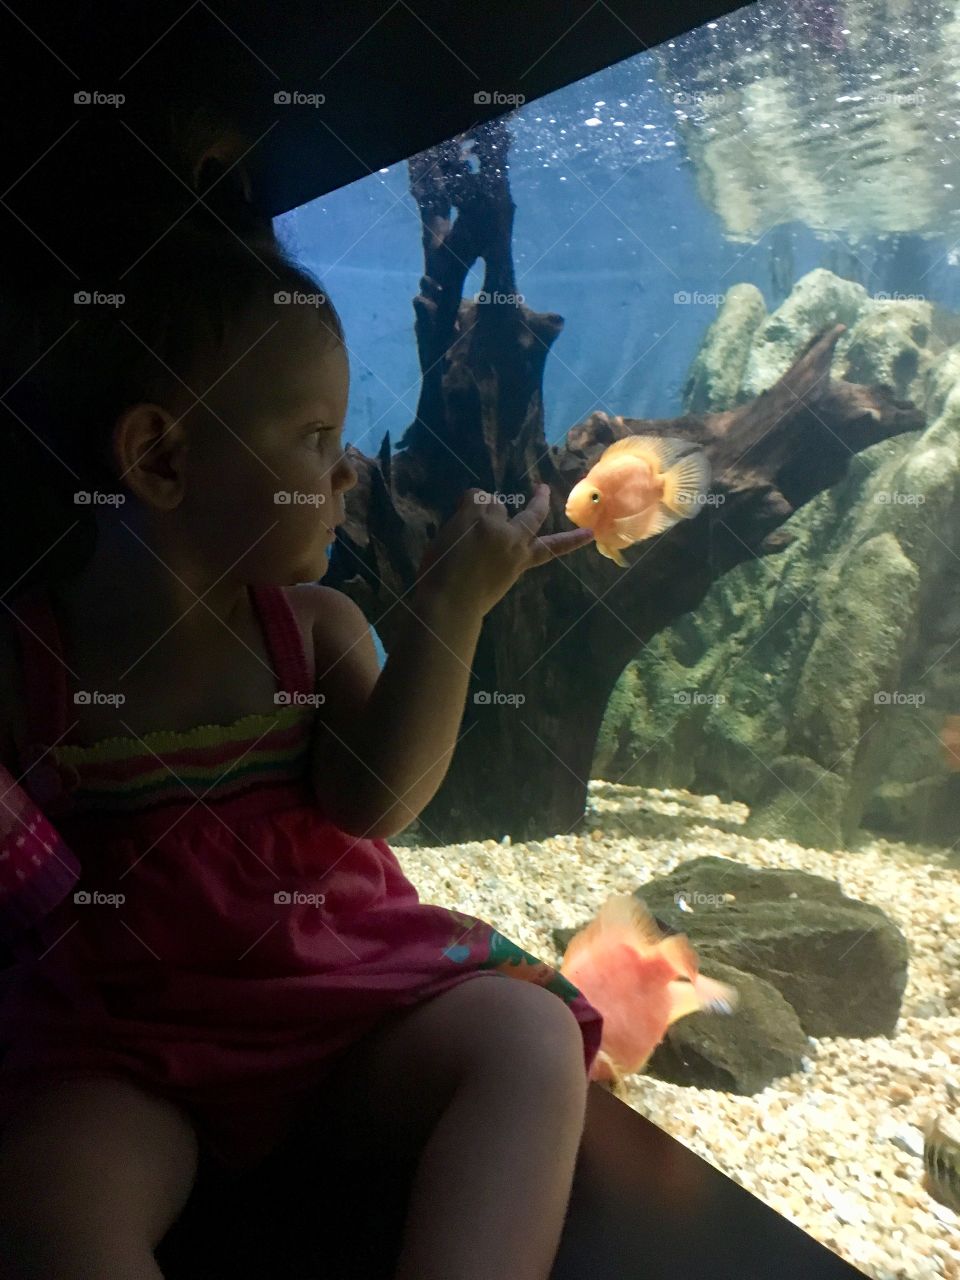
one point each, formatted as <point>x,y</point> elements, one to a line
<point>686,484</point>
<point>715,997</point>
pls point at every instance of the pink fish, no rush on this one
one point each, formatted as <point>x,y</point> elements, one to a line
<point>640,981</point>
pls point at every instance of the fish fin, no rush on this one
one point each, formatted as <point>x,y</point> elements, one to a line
<point>714,996</point>
<point>685,484</point>
<point>681,955</point>
<point>663,450</point>
<point>622,918</point>
<point>612,553</point>
<point>604,1068</point>
<point>645,524</point>
<point>609,1076</point>
<point>622,913</point>
<point>683,1000</point>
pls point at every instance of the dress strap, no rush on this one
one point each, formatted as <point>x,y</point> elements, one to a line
<point>284,639</point>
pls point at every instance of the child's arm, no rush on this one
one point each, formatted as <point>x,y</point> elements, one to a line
<point>387,740</point>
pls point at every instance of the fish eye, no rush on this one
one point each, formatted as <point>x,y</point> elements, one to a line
<point>594,497</point>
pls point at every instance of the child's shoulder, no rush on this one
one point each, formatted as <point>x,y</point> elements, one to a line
<point>345,657</point>
<point>329,617</point>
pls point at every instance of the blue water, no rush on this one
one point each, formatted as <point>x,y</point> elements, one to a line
<point>609,227</point>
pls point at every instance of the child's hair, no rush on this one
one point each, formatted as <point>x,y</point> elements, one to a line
<point>68,368</point>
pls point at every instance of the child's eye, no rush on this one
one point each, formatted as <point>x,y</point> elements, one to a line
<point>324,432</point>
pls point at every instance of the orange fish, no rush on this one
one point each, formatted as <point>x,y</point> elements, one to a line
<point>950,741</point>
<point>639,981</point>
<point>638,487</point>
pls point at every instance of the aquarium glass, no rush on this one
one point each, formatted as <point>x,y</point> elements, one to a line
<point>697,214</point>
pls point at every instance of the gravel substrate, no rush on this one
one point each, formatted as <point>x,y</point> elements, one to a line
<point>832,1147</point>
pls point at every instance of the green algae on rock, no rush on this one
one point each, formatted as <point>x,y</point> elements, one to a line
<point>801,680</point>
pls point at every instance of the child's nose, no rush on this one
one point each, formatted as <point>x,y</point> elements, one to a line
<point>346,475</point>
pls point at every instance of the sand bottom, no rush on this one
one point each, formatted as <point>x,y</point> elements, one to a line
<point>833,1147</point>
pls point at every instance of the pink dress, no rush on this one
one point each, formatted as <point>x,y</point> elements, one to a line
<point>214,936</point>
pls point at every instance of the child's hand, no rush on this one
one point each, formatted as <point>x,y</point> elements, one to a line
<point>480,552</point>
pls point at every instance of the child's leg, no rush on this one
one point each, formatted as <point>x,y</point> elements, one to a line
<point>93,1173</point>
<point>487,1083</point>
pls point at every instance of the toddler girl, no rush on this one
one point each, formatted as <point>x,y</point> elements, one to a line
<point>230,947</point>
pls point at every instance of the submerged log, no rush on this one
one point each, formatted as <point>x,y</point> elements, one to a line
<point>552,650</point>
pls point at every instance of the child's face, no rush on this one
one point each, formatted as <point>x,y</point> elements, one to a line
<point>271,475</point>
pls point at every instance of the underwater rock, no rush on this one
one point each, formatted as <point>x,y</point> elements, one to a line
<point>798,795</point>
<point>869,606</point>
<point>739,1054</point>
<point>717,371</point>
<point>857,648</point>
<point>927,807</point>
<point>818,299</point>
<point>813,686</point>
<point>839,962</point>
<point>942,380</point>
<point>888,344</point>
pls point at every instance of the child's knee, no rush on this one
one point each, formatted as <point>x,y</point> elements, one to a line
<point>524,1028</point>
<point>89,1171</point>
<point>391,1090</point>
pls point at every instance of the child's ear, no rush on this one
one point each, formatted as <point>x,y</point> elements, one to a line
<point>149,452</point>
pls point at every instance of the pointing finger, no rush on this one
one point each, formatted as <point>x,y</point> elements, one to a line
<point>554,545</point>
